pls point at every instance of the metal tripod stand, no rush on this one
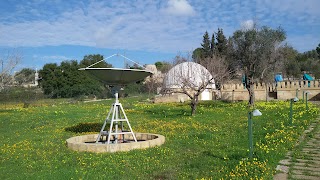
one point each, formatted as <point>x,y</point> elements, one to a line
<point>117,118</point>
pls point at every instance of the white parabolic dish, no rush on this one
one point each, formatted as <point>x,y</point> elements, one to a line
<point>118,76</point>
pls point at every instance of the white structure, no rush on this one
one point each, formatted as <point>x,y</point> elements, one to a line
<point>192,72</point>
<point>152,68</point>
<point>157,75</point>
<point>190,76</point>
<point>36,78</point>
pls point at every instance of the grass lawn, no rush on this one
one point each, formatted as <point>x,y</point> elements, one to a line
<point>213,144</point>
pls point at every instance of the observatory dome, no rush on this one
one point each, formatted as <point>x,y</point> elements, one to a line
<point>194,73</point>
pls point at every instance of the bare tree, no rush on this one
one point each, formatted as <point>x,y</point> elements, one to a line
<point>8,63</point>
<point>218,67</point>
<point>192,79</point>
<point>154,81</point>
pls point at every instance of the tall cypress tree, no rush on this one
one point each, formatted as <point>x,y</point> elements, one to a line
<point>318,50</point>
<point>206,45</point>
<point>212,45</point>
<point>221,43</point>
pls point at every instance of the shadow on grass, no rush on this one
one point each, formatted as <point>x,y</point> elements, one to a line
<point>166,174</point>
<point>85,127</point>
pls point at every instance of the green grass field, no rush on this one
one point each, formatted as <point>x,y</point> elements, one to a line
<point>213,144</point>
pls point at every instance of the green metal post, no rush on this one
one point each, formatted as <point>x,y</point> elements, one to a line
<point>290,115</point>
<point>250,135</point>
<point>307,108</point>
<point>303,96</point>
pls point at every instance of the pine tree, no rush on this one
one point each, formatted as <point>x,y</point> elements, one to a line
<point>221,45</point>
<point>318,50</point>
<point>212,45</point>
<point>206,45</point>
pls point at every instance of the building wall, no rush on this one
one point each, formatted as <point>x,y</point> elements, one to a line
<point>281,90</point>
<point>237,92</point>
<point>180,97</point>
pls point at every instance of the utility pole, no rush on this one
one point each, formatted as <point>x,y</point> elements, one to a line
<point>2,71</point>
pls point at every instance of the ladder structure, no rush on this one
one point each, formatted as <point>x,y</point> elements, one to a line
<point>117,119</point>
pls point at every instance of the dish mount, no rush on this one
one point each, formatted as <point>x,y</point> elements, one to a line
<point>117,78</point>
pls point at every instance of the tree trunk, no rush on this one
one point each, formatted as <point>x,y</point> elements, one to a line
<point>194,103</point>
<point>250,88</point>
<point>267,92</point>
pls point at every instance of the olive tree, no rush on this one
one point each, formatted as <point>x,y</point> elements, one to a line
<point>256,51</point>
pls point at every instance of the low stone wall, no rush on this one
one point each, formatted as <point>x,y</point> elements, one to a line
<point>207,94</point>
<point>282,91</point>
<point>287,90</point>
<point>237,92</point>
<point>177,97</point>
<point>86,143</point>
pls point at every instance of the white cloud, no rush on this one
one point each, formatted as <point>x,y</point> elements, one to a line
<point>51,58</point>
<point>180,8</point>
<point>247,25</point>
<point>166,26</point>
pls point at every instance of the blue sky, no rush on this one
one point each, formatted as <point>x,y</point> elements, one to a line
<point>48,31</point>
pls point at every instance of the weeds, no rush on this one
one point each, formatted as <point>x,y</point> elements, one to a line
<point>213,144</point>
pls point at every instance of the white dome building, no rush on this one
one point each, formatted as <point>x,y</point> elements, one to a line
<point>188,72</point>
<point>188,75</point>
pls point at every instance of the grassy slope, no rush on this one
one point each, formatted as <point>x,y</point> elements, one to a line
<point>212,144</point>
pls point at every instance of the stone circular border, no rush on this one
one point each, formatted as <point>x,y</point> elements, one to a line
<point>145,140</point>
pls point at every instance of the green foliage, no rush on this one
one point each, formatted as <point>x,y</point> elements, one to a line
<point>134,66</point>
<point>163,66</point>
<point>217,46</point>
<point>256,51</point>
<point>65,80</point>
<point>206,45</point>
<point>291,65</point>
<point>211,145</point>
<point>197,54</point>
<point>26,75</point>
<point>318,50</point>
<point>221,46</point>
<point>134,89</point>
<point>158,64</point>
<point>20,94</point>
<point>212,45</point>
<point>309,62</point>
<point>254,48</point>
<point>312,54</point>
<point>91,59</point>
<point>293,69</point>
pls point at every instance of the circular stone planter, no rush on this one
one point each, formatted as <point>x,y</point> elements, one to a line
<point>85,143</point>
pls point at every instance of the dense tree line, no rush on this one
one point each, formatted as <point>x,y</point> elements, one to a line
<point>252,55</point>
<point>256,55</point>
<point>65,80</point>
<point>287,60</point>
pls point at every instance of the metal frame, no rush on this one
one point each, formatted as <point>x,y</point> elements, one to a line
<point>114,130</point>
<point>116,115</point>
<point>111,57</point>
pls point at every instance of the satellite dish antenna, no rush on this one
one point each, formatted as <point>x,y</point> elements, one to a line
<point>116,77</point>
